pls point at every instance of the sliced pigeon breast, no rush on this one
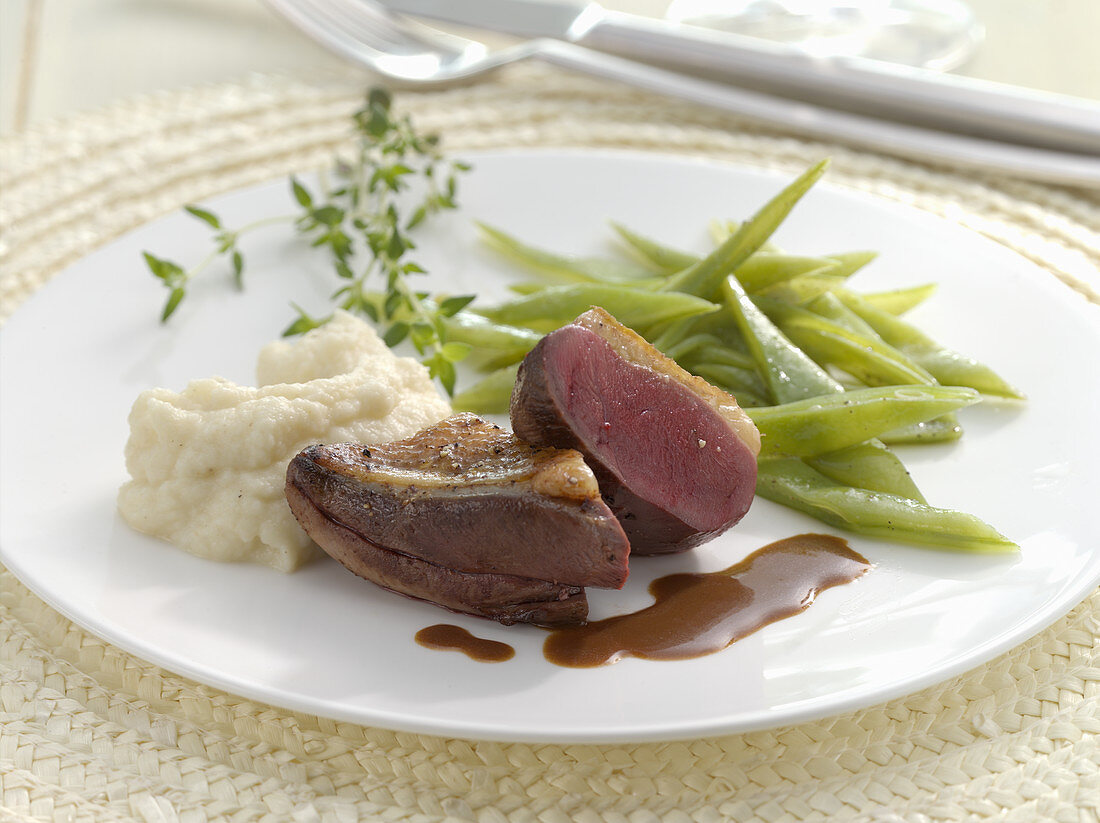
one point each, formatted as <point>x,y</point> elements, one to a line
<point>675,457</point>
<point>507,599</point>
<point>467,498</point>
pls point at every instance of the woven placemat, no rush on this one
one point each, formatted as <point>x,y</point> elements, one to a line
<point>90,733</point>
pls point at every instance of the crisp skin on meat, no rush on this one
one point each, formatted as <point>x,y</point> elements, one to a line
<point>464,515</point>
<point>675,457</point>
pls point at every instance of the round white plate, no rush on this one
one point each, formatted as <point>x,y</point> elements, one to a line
<point>322,641</point>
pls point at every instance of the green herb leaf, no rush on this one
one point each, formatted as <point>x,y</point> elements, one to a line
<point>207,217</point>
<point>301,194</point>
<point>328,215</point>
<point>450,306</point>
<point>304,322</point>
<point>238,269</point>
<point>455,352</point>
<point>174,298</point>
<point>379,97</point>
<point>396,333</point>
<point>171,273</point>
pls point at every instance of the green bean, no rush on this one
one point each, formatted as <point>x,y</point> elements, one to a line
<point>744,384</point>
<point>942,429</point>
<point>690,345</point>
<point>565,268</point>
<point>669,334</point>
<point>663,258</point>
<point>829,306</point>
<point>761,270</point>
<point>866,357</point>
<point>869,465</point>
<point>722,230</point>
<point>803,289</point>
<point>788,372</point>
<point>494,344</point>
<point>766,268</point>
<point>534,287</point>
<point>558,305</point>
<point>805,428</point>
<point>490,395</point>
<point>849,262</point>
<point>792,483</point>
<point>947,366</point>
<point>721,353</point>
<point>929,431</point>
<point>705,277</point>
<point>899,301</point>
<point>467,327</point>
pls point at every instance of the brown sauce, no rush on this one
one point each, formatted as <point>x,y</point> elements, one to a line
<point>699,614</point>
<point>446,637</point>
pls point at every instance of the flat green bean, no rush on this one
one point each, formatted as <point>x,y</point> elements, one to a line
<point>787,371</point>
<point>792,483</point>
<point>803,289</point>
<point>558,305</point>
<point>493,344</point>
<point>948,366</point>
<point>563,268</point>
<point>743,384</point>
<point>849,262</point>
<point>929,431</point>
<point>829,306</point>
<point>721,353</point>
<point>868,465</point>
<point>706,277</point>
<point>765,269</point>
<point>942,429</point>
<point>467,327</point>
<point>690,345</point>
<point>866,357</point>
<point>663,258</point>
<point>490,395</point>
<point>899,301</point>
<point>534,286</point>
<point>805,428</point>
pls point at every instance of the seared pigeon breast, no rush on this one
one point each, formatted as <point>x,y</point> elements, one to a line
<point>466,516</point>
<point>675,457</point>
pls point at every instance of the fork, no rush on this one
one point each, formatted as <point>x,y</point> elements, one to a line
<point>409,53</point>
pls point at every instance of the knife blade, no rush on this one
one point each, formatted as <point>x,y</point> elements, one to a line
<point>901,93</point>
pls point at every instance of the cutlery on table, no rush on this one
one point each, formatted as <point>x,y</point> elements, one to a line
<point>884,90</point>
<point>409,53</point>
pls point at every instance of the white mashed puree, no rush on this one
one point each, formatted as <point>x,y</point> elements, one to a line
<point>208,464</point>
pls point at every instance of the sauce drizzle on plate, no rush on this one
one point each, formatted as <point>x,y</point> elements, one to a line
<point>447,637</point>
<point>703,613</point>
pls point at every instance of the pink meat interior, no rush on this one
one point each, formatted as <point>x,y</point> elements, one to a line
<point>657,436</point>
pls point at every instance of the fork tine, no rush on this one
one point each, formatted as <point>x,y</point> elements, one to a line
<point>401,50</point>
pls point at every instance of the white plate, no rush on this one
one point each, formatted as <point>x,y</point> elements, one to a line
<point>322,641</point>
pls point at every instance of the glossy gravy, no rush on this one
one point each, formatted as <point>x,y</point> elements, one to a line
<point>447,637</point>
<point>699,614</point>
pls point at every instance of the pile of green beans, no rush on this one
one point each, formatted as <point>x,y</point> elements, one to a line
<point>832,378</point>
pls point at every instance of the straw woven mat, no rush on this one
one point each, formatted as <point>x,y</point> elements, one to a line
<point>90,733</point>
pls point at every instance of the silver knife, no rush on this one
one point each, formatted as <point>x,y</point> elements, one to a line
<point>885,90</point>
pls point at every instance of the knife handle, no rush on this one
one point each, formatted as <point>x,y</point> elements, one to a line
<point>941,147</point>
<point>916,96</point>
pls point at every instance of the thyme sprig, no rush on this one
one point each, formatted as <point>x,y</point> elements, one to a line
<point>359,219</point>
